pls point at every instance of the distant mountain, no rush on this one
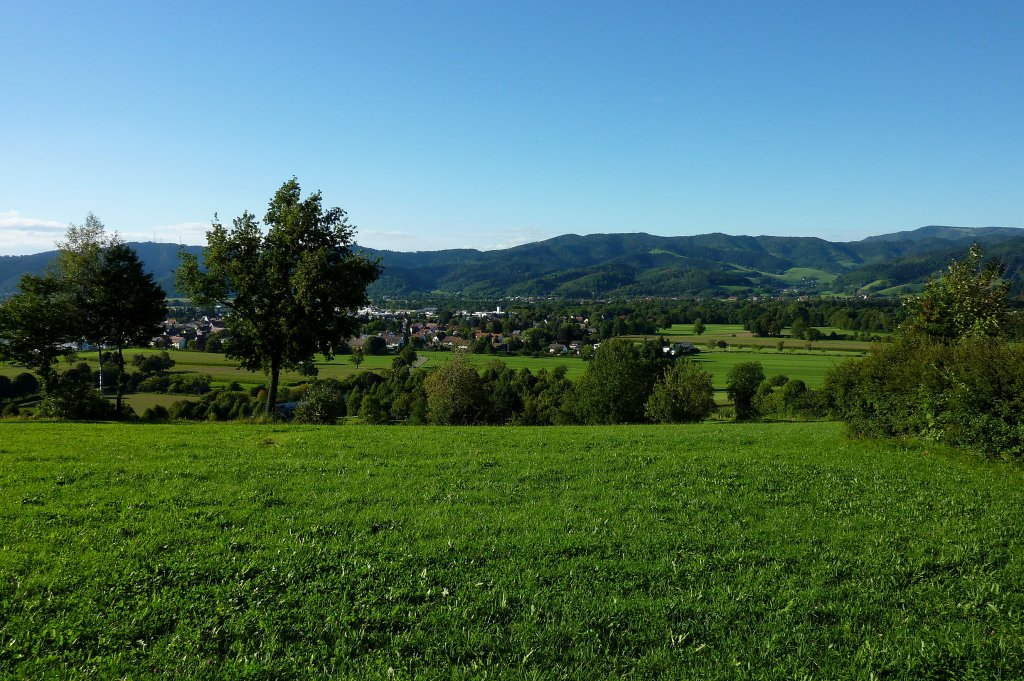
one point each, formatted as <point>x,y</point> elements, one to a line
<point>160,259</point>
<point>990,234</point>
<point>638,264</point>
<point>601,265</point>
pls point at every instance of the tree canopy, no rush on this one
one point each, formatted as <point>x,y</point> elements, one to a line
<point>742,383</point>
<point>35,328</point>
<point>617,384</point>
<point>291,291</point>
<point>969,300</point>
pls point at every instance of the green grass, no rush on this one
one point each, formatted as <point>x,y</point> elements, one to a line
<point>715,551</point>
<point>796,275</point>
<point>808,367</point>
<point>710,330</point>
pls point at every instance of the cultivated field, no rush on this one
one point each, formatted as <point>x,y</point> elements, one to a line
<point>709,551</point>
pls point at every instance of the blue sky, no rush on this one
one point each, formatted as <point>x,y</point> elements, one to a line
<point>486,124</point>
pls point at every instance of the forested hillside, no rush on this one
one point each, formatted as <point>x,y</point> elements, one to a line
<point>623,265</point>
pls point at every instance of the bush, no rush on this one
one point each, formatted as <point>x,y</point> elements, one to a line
<point>74,398</point>
<point>183,409</point>
<point>154,384</point>
<point>157,413</point>
<point>153,363</point>
<point>189,385</point>
<point>969,394</point>
<point>324,402</point>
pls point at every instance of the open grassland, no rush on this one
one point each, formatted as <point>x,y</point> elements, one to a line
<point>708,551</point>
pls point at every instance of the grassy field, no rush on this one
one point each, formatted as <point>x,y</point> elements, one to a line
<point>715,551</point>
<point>736,335</point>
<point>808,367</point>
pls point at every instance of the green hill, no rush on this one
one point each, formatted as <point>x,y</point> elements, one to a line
<point>637,264</point>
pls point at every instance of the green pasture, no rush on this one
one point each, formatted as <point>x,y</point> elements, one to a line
<point>808,367</point>
<point>736,335</point>
<point>714,551</point>
<point>796,275</point>
<point>710,330</point>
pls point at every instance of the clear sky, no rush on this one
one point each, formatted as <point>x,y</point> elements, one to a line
<point>485,124</point>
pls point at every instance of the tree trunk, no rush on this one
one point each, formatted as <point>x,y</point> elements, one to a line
<point>275,374</point>
<point>100,355</point>
<point>120,378</point>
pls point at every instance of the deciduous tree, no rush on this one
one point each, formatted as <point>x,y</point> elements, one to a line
<point>35,326</point>
<point>969,300</point>
<point>742,383</point>
<point>291,292</point>
<point>617,384</point>
<point>683,394</point>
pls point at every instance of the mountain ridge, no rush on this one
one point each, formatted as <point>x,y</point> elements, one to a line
<point>637,264</point>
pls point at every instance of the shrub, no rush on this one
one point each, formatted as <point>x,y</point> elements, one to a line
<point>74,398</point>
<point>324,402</point>
<point>969,394</point>
<point>154,384</point>
<point>157,413</point>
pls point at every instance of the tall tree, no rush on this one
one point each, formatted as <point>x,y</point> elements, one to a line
<point>290,292</point>
<point>34,326</point>
<point>617,384</point>
<point>127,306</point>
<point>117,302</point>
<point>77,269</point>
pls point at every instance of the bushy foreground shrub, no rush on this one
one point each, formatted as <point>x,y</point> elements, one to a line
<point>969,394</point>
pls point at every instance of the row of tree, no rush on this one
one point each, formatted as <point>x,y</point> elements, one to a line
<point>625,383</point>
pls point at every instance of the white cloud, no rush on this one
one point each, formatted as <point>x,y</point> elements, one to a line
<point>517,236</point>
<point>21,235</point>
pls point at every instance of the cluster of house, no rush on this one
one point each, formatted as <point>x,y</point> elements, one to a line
<point>177,335</point>
<point>419,327</point>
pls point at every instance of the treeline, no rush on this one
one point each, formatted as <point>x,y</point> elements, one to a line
<point>625,382</point>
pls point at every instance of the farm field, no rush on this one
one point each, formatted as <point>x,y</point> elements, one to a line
<point>707,551</point>
<point>736,335</point>
<point>808,367</point>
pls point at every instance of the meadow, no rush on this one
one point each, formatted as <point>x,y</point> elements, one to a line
<point>736,335</point>
<point>707,551</point>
